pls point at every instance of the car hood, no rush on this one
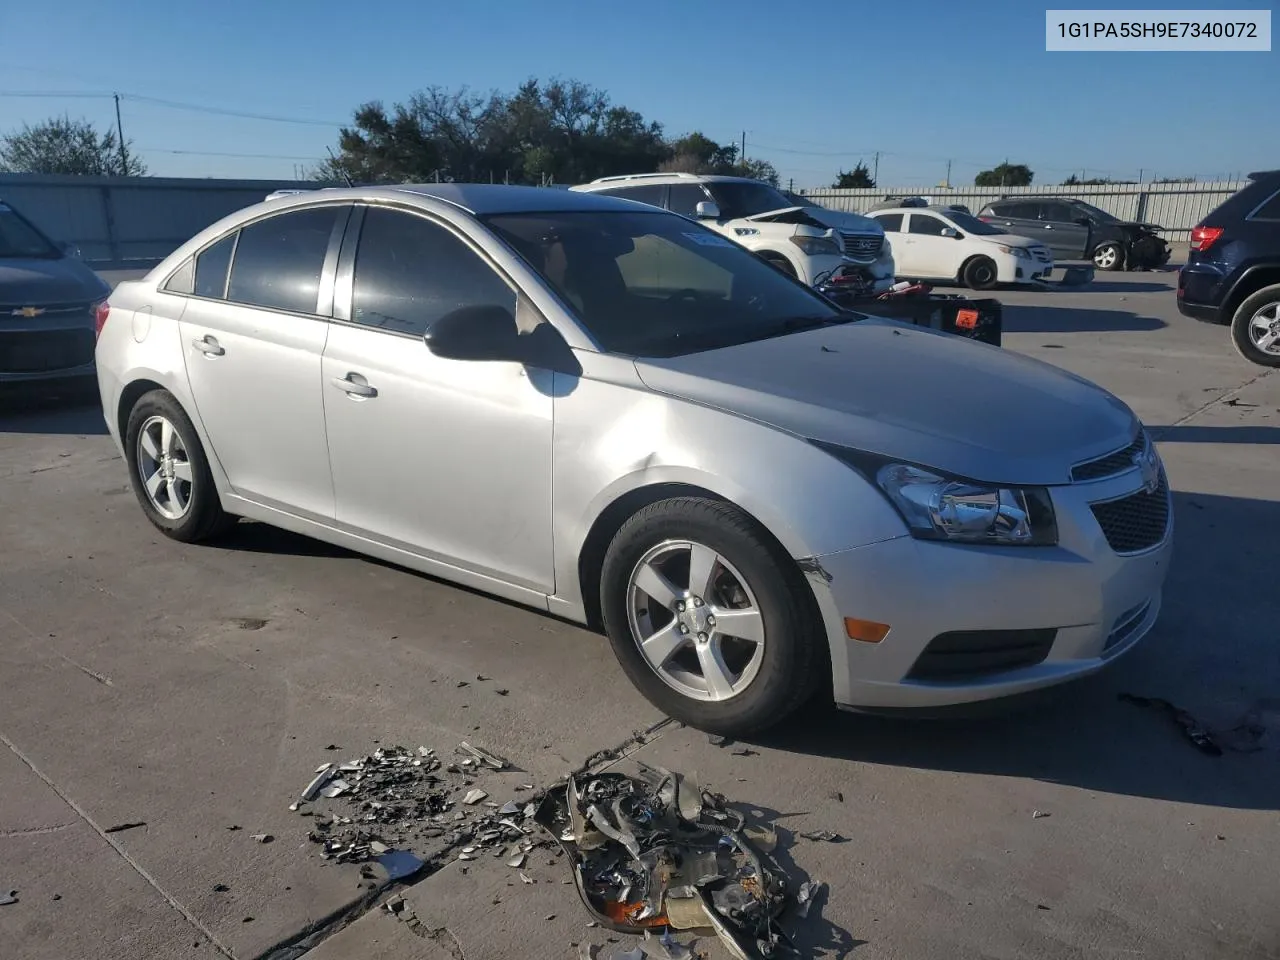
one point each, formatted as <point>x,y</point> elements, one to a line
<point>31,282</point>
<point>1137,227</point>
<point>843,220</point>
<point>1007,239</point>
<point>887,388</point>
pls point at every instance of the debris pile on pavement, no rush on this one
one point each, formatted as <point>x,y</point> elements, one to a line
<point>654,851</point>
<point>395,800</point>
<point>1247,735</point>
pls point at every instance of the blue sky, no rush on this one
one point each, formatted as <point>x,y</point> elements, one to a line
<point>816,86</point>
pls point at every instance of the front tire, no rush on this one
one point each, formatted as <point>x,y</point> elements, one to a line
<point>169,471</point>
<point>1109,256</point>
<point>781,262</point>
<point>706,615</point>
<point>1255,328</point>
<point>980,273</point>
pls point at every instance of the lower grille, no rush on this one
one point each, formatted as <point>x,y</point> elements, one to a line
<point>860,246</point>
<point>1041,254</point>
<point>45,351</point>
<point>1137,522</point>
<point>1126,624</point>
<point>975,653</point>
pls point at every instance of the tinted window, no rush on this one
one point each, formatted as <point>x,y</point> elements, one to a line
<point>685,198</point>
<point>1060,213</point>
<point>651,194</point>
<point>746,198</point>
<point>654,284</point>
<point>410,272</point>
<point>1017,211</point>
<point>971,224</point>
<point>1081,209</point>
<point>1269,210</point>
<point>211,269</point>
<point>892,222</point>
<point>926,225</point>
<point>18,238</point>
<point>278,260</point>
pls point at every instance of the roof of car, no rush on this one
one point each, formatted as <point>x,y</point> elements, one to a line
<point>479,199</point>
<point>661,179</point>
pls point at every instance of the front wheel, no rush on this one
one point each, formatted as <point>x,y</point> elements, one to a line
<point>980,273</point>
<point>706,616</point>
<point>1108,256</point>
<point>169,471</point>
<point>780,262</point>
<point>1255,328</point>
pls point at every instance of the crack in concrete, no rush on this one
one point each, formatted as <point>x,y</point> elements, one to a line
<point>124,854</point>
<point>34,831</point>
<point>102,678</point>
<point>1158,432</point>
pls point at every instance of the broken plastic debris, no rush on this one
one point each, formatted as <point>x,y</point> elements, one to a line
<point>824,836</point>
<point>8,898</point>
<point>509,808</point>
<point>588,951</point>
<point>473,797</point>
<point>526,878</point>
<point>1195,731</point>
<point>671,948</point>
<point>765,838</point>
<point>636,954</point>
<point>119,827</point>
<point>400,864</point>
<point>1038,814</point>
<point>484,756</point>
<point>335,789</point>
<point>424,752</point>
<point>807,893</point>
<point>263,837</point>
<point>517,861</point>
<point>378,847</point>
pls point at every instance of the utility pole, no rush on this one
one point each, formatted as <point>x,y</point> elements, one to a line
<point>875,173</point>
<point>742,157</point>
<point>948,180</point>
<point>791,184</point>
<point>124,154</point>
<point>1141,170</point>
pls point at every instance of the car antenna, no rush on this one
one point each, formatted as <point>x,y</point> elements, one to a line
<point>345,176</point>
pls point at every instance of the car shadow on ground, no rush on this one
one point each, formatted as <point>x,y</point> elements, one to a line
<point>1212,653</point>
<point>1121,286</point>
<point>74,412</point>
<point>1019,318</point>
<point>1196,434</point>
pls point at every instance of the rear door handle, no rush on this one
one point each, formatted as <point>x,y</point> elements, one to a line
<point>209,346</point>
<point>355,386</point>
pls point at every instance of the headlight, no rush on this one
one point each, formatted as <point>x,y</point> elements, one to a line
<point>1022,253</point>
<point>936,507</point>
<point>818,246</point>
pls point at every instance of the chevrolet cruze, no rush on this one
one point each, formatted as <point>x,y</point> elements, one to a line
<point>614,414</point>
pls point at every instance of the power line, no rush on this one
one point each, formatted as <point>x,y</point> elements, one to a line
<point>214,153</point>
<point>171,104</point>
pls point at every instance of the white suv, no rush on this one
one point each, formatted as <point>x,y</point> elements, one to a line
<point>811,243</point>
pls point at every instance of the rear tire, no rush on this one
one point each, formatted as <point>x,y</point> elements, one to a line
<point>169,471</point>
<point>1108,256</point>
<point>980,273</point>
<point>720,563</point>
<point>1256,322</point>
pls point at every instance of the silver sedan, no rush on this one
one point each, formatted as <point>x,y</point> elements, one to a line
<point>611,413</point>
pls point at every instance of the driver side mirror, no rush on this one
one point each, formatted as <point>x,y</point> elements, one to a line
<point>706,210</point>
<point>951,232</point>
<point>69,249</point>
<point>476,333</point>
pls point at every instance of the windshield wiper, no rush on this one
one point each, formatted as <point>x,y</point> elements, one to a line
<point>796,324</point>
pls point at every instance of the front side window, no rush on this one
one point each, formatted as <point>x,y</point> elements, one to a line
<point>278,261</point>
<point>892,222</point>
<point>650,194</point>
<point>685,198</point>
<point>410,272</point>
<point>657,285</point>
<point>971,224</point>
<point>925,225</point>
<point>746,198</point>
<point>19,239</point>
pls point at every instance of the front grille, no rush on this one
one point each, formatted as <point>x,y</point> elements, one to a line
<point>1111,464</point>
<point>861,246</point>
<point>963,654</point>
<point>1041,254</point>
<point>1137,522</point>
<point>13,311</point>
<point>44,351</point>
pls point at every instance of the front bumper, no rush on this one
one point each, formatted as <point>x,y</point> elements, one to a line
<point>1080,601</point>
<point>1021,270</point>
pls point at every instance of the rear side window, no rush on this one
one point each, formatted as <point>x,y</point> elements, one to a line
<point>410,272</point>
<point>211,269</point>
<point>279,260</point>
<point>1270,209</point>
<point>1017,211</point>
<point>651,194</point>
<point>892,222</point>
<point>685,198</point>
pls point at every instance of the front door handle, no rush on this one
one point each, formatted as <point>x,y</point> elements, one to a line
<point>209,346</point>
<point>355,386</point>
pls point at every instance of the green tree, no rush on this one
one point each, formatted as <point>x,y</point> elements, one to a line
<point>859,178</point>
<point>63,145</point>
<point>698,153</point>
<point>1005,175</point>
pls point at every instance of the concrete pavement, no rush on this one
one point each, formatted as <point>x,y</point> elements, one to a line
<point>195,688</point>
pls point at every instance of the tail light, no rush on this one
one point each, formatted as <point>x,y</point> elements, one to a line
<point>100,313</point>
<point>1202,238</point>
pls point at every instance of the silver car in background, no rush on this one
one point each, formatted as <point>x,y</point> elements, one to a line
<point>616,415</point>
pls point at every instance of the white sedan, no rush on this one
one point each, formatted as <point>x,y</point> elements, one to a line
<point>945,244</point>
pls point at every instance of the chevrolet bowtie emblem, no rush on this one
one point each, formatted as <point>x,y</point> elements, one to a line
<point>27,312</point>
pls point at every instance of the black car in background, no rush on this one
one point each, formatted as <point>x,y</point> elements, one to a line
<point>1232,274</point>
<point>1075,230</point>
<point>49,302</point>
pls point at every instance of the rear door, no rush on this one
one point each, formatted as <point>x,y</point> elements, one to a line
<point>1021,218</point>
<point>1067,239</point>
<point>253,333</point>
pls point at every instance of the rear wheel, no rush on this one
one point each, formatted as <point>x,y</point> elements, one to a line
<point>706,615</point>
<point>169,471</point>
<point>1108,256</point>
<point>1255,329</point>
<point>980,273</point>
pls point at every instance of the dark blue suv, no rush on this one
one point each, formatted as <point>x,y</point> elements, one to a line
<point>1232,275</point>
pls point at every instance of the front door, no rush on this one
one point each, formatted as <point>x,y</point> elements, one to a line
<point>448,459</point>
<point>1022,219</point>
<point>930,254</point>
<point>1067,239</point>
<point>253,339</point>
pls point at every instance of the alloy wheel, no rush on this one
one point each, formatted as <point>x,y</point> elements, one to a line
<point>1264,329</point>
<point>695,620</point>
<point>1106,257</point>
<point>164,468</point>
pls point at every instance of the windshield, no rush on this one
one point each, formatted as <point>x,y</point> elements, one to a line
<point>795,200</point>
<point>1088,209</point>
<point>746,198</point>
<point>656,285</point>
<point>970,224</point>
<point>19,239</point>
